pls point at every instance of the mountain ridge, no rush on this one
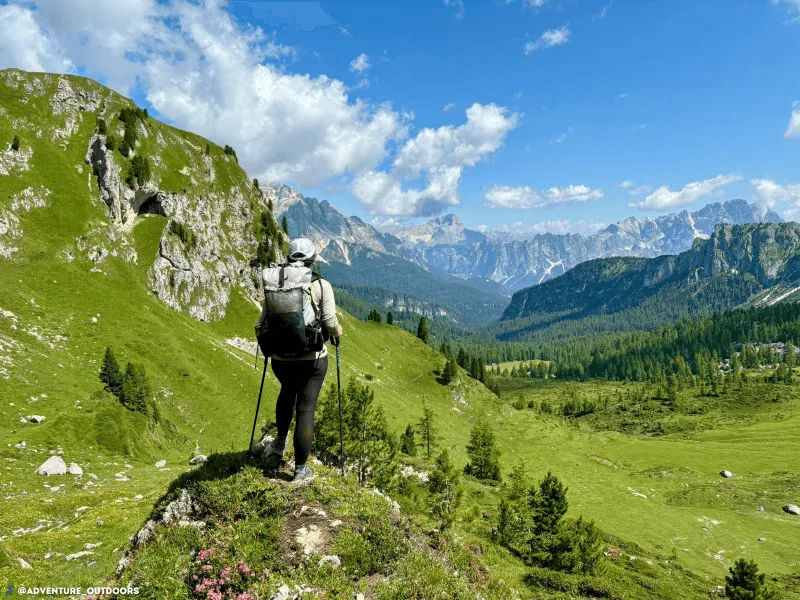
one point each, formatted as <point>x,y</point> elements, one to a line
<point>510,262</point>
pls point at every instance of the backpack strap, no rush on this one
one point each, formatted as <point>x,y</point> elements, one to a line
<point>281,277</point>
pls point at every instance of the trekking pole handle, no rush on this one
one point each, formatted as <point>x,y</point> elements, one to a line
<point>336,340</point>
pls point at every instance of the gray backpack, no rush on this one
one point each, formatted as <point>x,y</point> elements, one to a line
<point>291,323</point>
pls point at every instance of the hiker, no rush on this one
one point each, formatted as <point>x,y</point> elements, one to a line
<point>301,375</point>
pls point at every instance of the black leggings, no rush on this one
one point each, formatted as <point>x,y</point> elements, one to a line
<point>301,382</point>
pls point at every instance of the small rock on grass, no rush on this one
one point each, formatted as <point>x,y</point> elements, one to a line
<point>74,469</point>
<point>792,509</point>
<point>161,464</point>
<point>71,557</point>
<point>330,560</point>
<point>23,563</point>
<point>198,460</point>
<point>726,474</point>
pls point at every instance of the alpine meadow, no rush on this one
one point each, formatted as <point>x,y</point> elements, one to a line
<point>568,409</point>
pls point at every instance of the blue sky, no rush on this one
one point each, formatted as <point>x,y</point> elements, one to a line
<point>688,102</point>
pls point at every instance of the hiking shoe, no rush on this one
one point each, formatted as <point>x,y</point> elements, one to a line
<point>303,474</point>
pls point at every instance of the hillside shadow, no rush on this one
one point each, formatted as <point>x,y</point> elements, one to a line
<point>218,466</point>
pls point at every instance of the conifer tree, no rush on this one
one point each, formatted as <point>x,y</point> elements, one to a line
<point>450,371</point>
<point>427,430</point>
<point>15,143</point>
<point>422,330</point>
<point>389,318</point>
<point>483,454</point>
<point>255,183</point>
<point>408,444</point>
<point>744,582</point>
<point>110,373</point>
<point>445,490</point>
<point>369,446</point>
<point>285,225</point>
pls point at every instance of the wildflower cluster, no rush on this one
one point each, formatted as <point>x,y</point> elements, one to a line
<point>213,578</point>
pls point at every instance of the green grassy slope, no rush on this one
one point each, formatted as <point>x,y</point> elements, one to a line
<point>50,352</point>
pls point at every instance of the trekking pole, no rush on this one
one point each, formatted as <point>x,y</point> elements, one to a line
<point>258,407</point>
<point>339,391</point>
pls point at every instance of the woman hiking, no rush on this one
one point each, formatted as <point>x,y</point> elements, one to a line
<point>301,376</point>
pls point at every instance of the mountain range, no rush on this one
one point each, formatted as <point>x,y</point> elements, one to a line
<point>495,262</point>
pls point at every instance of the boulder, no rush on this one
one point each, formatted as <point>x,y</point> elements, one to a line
<point>36,418</point>
<point>198,460</point>
<point>792,509</point>
<point>726,474</point>
<point>54,465</point>
<point>74,469</point>
<point>21,445</point>
<point>161,464</point>
<point>330,560</point>
<point>359,596</point>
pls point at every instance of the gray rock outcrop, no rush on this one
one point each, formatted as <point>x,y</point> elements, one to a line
<point>792,509</point>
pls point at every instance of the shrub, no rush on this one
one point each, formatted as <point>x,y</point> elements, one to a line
<point>111,142</point>
<point>15,143</point>
<point>255,183</point>
<point>186,235</point>
<point>101,126</point>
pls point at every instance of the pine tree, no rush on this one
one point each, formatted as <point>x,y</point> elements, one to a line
<point>549,505</point>
<point>111,142</point>
<point>422,330</point>
<point>483,454</point>
<point>255,183</point>
<point>427,430</point>
<point>450,371</point>
<point>285,225</point>
<point>445,490</point>
<point>462,358</point>
<point>15,143</point>
<point>101,126</point>
<point>135,393</point>
<point>208,148</point>
<point>744,582</point>
<point>110,373</point>
<point>408,445</point>
<point>369,446</point>
<point>389,318</point>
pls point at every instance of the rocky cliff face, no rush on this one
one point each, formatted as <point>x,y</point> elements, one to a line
<point>192,184</point>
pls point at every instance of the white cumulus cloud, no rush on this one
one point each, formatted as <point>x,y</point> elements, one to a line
<point>360,63</point>
<point>503,196</point>
<point>770,193</point>
<point>550,38</point>
<point>204,71</point>
<point>625,185</point>
<point>440,157</point>
<point>24,45</point>
<point>664,198</point>
<point>449,106</point>
<point>793,130</point>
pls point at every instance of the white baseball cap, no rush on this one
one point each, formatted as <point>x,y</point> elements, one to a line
<point>302,249</point>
